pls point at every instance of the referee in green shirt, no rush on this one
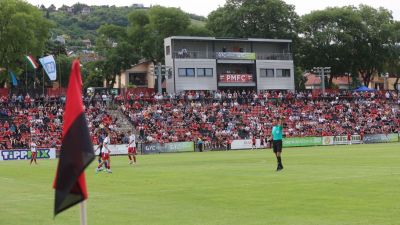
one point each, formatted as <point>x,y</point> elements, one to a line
<point>277,141</point>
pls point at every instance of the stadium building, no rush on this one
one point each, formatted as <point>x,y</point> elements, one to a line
<point>209,63</point>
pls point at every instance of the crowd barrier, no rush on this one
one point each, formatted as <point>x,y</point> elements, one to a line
<point>381,138</point>
<point>26,154</point>
<point>156,148</point>
<point>151,148</point>
<point>326,140</point>
<point>115,149</point>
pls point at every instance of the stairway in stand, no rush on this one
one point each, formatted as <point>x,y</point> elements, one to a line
<point>123,124</point>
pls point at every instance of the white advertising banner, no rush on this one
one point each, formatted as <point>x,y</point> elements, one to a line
<point>115,149</point>
<point>355,139</point>
<point>26,154</point>
<point>328,140</point>
<point>341,140</point>
<point>244,144</point>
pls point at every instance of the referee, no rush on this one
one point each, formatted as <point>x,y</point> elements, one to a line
<point>277,142</point>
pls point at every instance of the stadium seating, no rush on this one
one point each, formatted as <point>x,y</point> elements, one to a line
<point>216,117</point>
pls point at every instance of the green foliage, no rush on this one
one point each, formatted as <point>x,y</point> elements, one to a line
<point>93,74</point>
<point>254,18</point>
<point>80,26</point>
<point>63,69</point>
<point>118,53</point>
<point>148,29</point>
<point>299,79</point>
<point>357,40</point>
<point>23,30</point>
<point>196,30</point>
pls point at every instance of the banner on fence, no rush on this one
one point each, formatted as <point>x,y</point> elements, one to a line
<point>154,148</point>
<point>302,141</point>
<point>340,140</point>
<point>115,149</point>
<point>26,154</point>
<point>244,144</point>
<point>380,138</point>
<point>355,139</point>
<point>328,140</point>
<point>287,142</point>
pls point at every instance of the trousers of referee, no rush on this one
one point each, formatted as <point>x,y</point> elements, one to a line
<point>276,133</point>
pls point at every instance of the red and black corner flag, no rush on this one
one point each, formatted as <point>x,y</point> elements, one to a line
<point>76,149</point>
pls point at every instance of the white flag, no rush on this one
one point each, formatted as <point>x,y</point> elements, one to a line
<point>49,65</point>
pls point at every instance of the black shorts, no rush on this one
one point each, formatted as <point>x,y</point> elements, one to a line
<point>277,146</point>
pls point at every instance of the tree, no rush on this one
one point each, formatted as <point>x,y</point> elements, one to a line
<point>95,76</point>
<point>299,78</point>
<point>148,29</point>
<point>372,48</point>
<point>327,38</point>
<point>117,52</point>
<point>63,69</point>
<point>349,39</point>
<point>196,30</point>
<point>254,18</point>
<point>23,30</point>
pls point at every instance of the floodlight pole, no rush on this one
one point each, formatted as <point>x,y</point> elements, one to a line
<point>159,69</point>
<point>322,71</point>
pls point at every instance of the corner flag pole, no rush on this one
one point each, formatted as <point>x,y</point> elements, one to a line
<point>83,213</point>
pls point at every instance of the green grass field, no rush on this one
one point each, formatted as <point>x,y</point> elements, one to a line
<point>358,184</point>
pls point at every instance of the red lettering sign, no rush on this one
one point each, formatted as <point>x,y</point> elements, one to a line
<point>235,78</point>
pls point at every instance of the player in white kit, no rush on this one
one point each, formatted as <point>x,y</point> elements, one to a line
<point>105,155</point>
<point>34,152</point>
<point>132,147</point>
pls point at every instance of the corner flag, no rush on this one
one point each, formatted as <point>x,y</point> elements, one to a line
<point>76,149</point>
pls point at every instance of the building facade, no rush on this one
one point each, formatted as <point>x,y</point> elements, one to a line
<point>208,63</point>
<point>140,75</point>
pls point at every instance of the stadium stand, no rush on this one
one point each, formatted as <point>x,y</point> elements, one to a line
<point>215,117</point>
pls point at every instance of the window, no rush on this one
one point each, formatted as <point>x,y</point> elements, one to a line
<point>186,72</point>
<point>282,72</point>
<point>138,79</point>
<point>204,72</point>
<point>168,50</point>
<point>266,72</point>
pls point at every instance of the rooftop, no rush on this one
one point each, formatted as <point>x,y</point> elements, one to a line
<point>229,39</point>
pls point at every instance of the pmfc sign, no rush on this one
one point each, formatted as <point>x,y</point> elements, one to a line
<point>235,78</point>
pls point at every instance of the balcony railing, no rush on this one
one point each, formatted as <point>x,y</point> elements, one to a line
<point>212,55</point>
<point>193,55</point>
<point>274,56</point>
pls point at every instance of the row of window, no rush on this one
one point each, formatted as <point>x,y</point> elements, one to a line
<point>208,72</point>
<point>190,72</point>
<point>274,73</point>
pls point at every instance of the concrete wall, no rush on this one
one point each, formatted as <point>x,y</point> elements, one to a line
<point>195,83</point>
<point>274,83</point>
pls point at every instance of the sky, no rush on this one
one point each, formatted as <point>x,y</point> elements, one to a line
<point>204,7</point>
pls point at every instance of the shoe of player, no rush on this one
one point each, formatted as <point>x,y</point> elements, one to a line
<point>96,170</point>
<point>130,162</point>
<point>109,171</point>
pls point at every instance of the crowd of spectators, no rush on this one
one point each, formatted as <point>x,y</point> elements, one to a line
<point>25,118</point>
<point>220,117</point>
<point>215,117</point>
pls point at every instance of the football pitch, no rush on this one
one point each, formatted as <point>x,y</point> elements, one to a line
<point>335,185</point>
